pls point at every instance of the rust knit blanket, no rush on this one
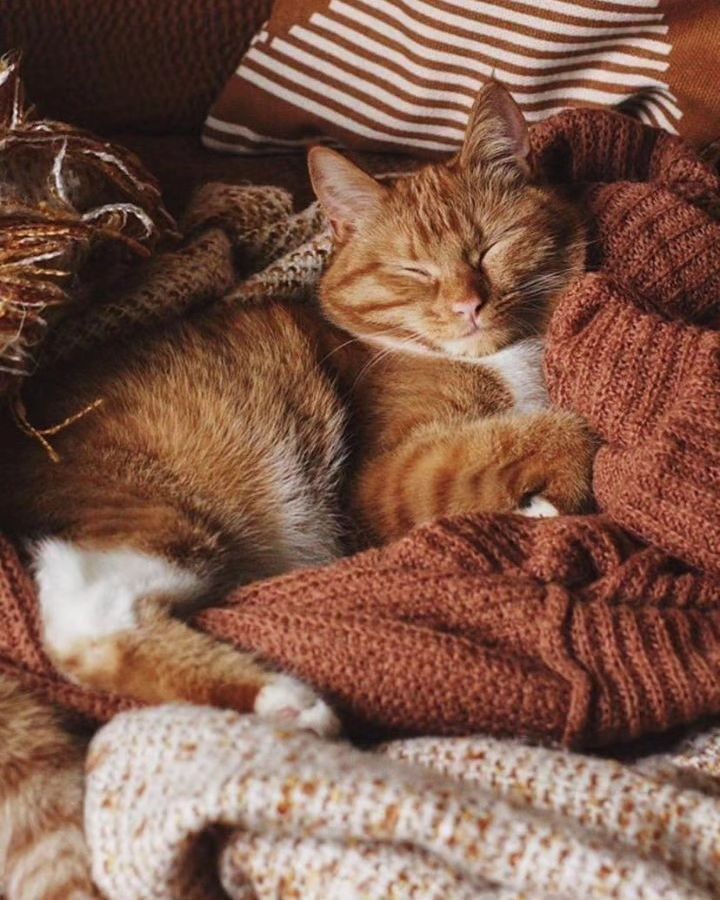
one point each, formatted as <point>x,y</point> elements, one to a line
<point>585,630</point>
<point>559,629</point>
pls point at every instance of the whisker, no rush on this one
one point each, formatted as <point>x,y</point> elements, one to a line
<point>353,340</point>
<point>369,365</point>
<point>386,351</point>
<point>357,339</point>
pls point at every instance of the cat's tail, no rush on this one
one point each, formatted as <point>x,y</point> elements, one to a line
<point>43,855</point>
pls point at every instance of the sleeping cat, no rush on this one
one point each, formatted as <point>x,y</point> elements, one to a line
<point>241,443</point>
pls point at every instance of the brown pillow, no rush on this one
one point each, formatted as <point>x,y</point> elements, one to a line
<point>146,65</point>
<point>401,74</point>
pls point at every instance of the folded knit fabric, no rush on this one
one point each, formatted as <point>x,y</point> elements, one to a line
<point>559,630</point>
<point>622,349</point>
<point>651,388</point>
<point>433,818</point>
<point>585,630</point>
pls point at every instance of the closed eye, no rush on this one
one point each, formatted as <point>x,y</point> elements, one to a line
<point>491,252</point>
<point>477,257</point>
<point>415,272</point>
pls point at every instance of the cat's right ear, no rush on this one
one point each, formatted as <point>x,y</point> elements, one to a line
<point>348,195</point>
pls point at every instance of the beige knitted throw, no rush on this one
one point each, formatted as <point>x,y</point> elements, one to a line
<point>229,230</point>
<point>445,818</point>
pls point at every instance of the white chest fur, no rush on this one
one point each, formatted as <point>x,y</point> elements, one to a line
<point>520,366</point>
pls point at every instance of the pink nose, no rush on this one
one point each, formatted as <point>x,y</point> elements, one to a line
<point>469,309</point>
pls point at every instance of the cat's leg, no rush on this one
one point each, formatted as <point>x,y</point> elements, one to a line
<point>535,464</point>
<point>42,846</point>
<point>108,624</point>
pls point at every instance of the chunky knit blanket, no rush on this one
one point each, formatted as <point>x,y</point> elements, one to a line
<point>425,818</point>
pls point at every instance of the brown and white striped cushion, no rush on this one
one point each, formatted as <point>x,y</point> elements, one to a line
<point>401,74</point>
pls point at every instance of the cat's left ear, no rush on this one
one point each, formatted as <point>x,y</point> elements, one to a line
<point>496,133</point>
<point>348,195</point>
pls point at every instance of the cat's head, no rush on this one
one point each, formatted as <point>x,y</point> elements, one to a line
<point>460,258</point>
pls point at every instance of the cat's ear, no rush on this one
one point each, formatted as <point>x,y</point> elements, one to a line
<point>348,195</point>
<point>496,133</point>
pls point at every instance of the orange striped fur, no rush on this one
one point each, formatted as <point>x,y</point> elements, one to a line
<point>245,442</point>
<point>42,848</point>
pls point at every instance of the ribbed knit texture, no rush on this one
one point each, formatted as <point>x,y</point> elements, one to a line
<point>586,630</point>
<point>151,65</point>
<point>635,348</point>
<point>550,629</point>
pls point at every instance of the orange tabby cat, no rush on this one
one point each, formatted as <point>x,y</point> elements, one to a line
<point>233,445</point>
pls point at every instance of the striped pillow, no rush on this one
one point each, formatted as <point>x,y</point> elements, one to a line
<point>402,74</point>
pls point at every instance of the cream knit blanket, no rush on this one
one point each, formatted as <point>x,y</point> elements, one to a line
<point>452,818</point>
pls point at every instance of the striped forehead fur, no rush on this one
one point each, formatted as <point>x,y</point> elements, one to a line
<point>436,202</point>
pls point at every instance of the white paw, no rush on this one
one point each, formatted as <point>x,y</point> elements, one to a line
<point>538,508</point>
<point>288,701</point>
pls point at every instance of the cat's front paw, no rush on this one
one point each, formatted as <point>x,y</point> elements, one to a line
<point>287,701</point>
<point>537,507</point>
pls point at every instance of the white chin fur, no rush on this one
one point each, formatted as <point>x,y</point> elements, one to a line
<point>520,366</point>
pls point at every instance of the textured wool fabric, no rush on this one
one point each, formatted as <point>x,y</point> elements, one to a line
<point>498,625</point>
<point>556,630</point>
<point>635,347</point>
<point>151,65</point>
<point>451,819</point>
<point>402,74</point>
<point>585,630</point>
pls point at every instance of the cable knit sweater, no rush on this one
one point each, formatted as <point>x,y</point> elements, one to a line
<point>582,630</point>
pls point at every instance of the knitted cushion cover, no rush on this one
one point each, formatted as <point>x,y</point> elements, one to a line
<point>152,65</point>
<point>585,630</point>
<point>401,74</point>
